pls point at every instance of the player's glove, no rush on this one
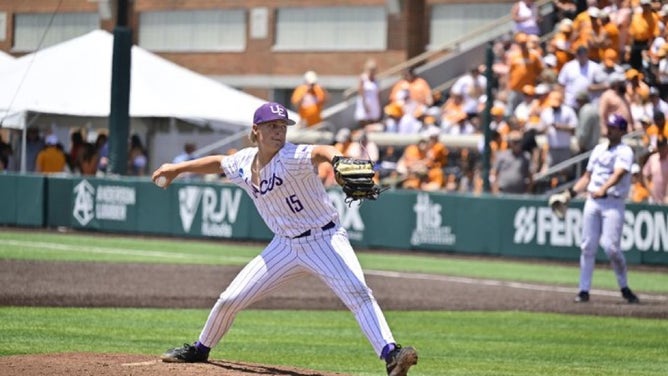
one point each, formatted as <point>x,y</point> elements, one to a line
<point>355,176</point>
<point>558,202</point>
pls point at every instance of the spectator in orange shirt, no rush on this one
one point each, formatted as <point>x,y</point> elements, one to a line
<point>421,164</point>
<point>609,35</point>
<point>584,26</point>
<point>560,44</point>
<point>638,192</point>
<point>644,28</point>
<point>52,158</point>
<point>308,99</point>
<point>411,91</point>
<point>524,68</point>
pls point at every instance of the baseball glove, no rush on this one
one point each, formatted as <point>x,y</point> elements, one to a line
<point>355,176</point>
<point>558,202</point>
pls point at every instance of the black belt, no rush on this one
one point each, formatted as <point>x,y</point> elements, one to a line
<point>323,228</point>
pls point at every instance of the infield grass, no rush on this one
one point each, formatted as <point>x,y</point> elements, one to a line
<point>449,343</point>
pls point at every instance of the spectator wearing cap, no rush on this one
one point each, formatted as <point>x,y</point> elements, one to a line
<point>51,159</point>
<point>527,108</point>
<point>511,170</point>
<point>498,120</point>
<point>437,159</point>
<point>655,172</point>
<point>524,68</point>
<point>558,122</point>
<point>393,114</point>
<point>549,74</point>
<point>471,86</point>
<point>655,103</point>
<point>601,81</point>
<point>577,75</point>
<point>609,36</point>
<point>588,131</point>
<point>654,130</point>
<point>585,25</point>
<point>614,101</point>
<point>597,40</point>
<point>414,166</point>
<point>308,99</point>
<point>643,29</point>
<point>637,92</point>
<point>560,44</point>
<point>638,192</point>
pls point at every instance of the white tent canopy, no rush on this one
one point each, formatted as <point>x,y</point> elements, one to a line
<point>74,78</point>
<point>5,57</point>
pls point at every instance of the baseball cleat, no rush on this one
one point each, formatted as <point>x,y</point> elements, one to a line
<point>400,360</point>
<point>186,354</point>
<point>629,296</point>
<point>582,297</point>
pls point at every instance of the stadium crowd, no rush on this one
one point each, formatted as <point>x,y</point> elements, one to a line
<point>552,96</point>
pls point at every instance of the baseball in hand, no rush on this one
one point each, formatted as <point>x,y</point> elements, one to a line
<point>161,181</point>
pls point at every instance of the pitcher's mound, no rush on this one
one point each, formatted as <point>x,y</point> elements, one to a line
<point>79,364</point>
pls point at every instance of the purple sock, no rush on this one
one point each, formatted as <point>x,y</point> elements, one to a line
<point>386,351</point>
<point>202,348</point>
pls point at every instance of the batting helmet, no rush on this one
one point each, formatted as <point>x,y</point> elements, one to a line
<point>618,121</point>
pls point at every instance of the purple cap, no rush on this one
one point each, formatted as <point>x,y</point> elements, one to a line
<point>271,111</point>
<point>617,121</point>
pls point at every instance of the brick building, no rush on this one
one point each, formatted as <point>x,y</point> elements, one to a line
<point>260,46</point>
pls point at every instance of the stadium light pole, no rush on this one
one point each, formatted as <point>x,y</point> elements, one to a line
<point>119,113</point>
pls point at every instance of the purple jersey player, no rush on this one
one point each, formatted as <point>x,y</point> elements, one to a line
<point>281,179</point>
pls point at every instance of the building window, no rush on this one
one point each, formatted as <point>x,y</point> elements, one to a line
<point>193,30</point>
<point>451,21</point>
<point>331,29</point>
<point>30,28</point>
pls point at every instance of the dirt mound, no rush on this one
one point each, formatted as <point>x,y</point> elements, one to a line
<point>72,364</point>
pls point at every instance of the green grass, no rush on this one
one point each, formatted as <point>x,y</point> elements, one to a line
<point>461,343</point>
<point>450,343</point>
<point>85,247</point>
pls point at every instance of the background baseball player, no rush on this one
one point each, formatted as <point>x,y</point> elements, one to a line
<point>281,179</point>
<point>607,182</point>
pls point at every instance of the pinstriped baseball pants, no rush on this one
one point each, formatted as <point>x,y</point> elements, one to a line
<point>325,254</point>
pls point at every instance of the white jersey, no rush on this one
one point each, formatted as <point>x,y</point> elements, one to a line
<point>290,198</point>
<point>602,163</point>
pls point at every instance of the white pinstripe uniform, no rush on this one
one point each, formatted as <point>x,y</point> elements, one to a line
<point>603,218</point>
<point>292,200</point>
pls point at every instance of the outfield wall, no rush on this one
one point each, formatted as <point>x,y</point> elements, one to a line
<point>439,222</point>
